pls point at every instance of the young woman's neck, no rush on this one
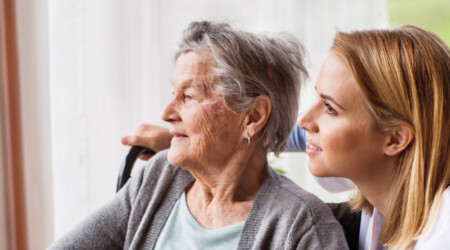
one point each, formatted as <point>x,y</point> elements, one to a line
<point>377,186</point>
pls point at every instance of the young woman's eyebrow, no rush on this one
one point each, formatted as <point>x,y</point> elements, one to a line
<point>327,97</point>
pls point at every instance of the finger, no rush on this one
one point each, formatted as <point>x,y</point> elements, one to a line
<point>134,140</point>
<point>125,141</point>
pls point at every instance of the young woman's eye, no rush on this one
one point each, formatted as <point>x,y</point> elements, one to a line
<point>330,110</point>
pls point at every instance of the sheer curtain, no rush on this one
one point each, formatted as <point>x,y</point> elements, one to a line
<point>109,70</point>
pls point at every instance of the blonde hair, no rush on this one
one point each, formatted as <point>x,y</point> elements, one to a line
<point>404,77</point>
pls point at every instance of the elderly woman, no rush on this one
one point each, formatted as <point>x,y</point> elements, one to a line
<point>234,99</point>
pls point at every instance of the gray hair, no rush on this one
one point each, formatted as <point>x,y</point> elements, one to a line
<point>247,65</point>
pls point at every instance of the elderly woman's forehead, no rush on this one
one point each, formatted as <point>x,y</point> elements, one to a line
<point>192,69</point>
<point>196,60</point>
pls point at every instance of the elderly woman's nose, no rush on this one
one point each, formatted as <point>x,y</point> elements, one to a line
<point>306,121</point>
<point>169,113</point>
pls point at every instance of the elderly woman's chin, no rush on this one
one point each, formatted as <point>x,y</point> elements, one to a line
<point>180,156</point>
<point>174,157</point>
<point>194,150</point>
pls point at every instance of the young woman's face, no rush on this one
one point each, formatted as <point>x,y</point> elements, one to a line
<point>342,141</point>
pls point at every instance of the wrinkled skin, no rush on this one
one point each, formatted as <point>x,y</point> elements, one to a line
<point>206,132</point>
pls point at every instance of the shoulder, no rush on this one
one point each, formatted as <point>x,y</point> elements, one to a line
<point>159,163</point>
<point>350,221</point>
<point>436,237</point>
<point>157,175</point>
<point>289,196</point>
<point>159,168</point>
<point>294,217</point>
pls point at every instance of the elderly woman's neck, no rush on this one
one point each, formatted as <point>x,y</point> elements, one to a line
<point>237,180</point>
<point>223,195</point>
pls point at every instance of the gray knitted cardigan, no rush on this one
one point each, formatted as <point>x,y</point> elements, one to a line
<point>283,215</point>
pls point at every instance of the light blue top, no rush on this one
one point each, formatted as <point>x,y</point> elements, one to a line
<point>182,231</point>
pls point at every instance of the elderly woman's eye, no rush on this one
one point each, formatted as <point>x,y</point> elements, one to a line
<point>187,97</point>
<point>329,109</point>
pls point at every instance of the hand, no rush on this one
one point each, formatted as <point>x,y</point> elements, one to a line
<point>150,136</point>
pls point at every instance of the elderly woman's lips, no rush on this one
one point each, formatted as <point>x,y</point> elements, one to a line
<point>177,136</point>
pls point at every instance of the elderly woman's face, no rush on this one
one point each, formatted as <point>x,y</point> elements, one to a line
<point>204,130</point>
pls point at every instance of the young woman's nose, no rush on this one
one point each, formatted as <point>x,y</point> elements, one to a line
<point>306,121</point>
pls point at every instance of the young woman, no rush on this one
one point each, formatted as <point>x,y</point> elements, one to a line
<point>382,120</point>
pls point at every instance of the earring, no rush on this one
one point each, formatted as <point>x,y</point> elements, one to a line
<point>248,140</point>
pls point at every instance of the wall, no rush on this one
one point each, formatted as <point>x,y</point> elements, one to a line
<point>32,31</point>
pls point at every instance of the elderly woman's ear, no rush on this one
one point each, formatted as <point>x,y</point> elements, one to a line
<point>257,115</point>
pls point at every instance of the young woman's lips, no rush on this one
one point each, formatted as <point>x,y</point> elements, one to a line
<point>312,150</point>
